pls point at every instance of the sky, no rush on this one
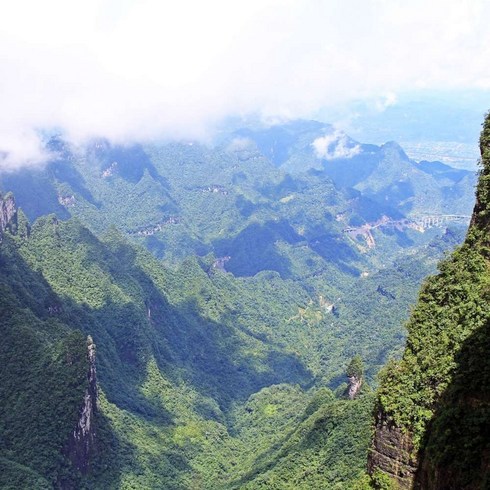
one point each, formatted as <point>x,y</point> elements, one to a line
<point>147,70</point>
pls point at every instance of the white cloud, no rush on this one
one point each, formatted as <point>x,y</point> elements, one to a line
<point>148,69</point>
<point>335,145</point>
<point>387,100</point>
<point>21,146</point>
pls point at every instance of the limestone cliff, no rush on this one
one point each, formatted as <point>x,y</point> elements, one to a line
<point>432,427</point>
<point>355,374</point>
<point>354,387</point>
<point>81,446</point>
<point>393,452</point>
<point>8,210</point>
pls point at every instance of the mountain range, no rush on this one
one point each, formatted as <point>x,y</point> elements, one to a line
<point>183,316</point>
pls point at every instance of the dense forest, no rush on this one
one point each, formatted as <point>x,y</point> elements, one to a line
<point>186,317</point>
<point>189,395</point>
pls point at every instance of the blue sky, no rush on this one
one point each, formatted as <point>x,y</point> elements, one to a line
<point>143,70</point>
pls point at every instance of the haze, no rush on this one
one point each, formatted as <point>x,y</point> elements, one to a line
<point>146,70</point>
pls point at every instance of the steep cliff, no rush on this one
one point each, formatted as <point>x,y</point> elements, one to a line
<point>7,211</point>
<point>433,415</point>
<point>355,374</point>
<point>81,444</point>
<point>47,380</point>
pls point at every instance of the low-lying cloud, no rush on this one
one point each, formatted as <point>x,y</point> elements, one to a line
<point>148,70</point>
<point>335,145</point>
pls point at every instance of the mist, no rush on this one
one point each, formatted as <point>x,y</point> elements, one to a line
<point>150,70</point>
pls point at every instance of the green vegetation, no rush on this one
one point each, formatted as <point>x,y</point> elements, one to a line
<point>450,308</point>
<point>42,377</point>
<point>208,378</point>
<point>195,390</point>
<point>355,367</point>
<point>15,476</point>
<point>237,203</point>
<point>326,449</point>
<point>381,481</point>
<point>438,391</point>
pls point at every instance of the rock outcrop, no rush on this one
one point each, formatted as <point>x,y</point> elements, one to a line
<point>355,374</point>
<point>393,452</point>
<point>81,445</point>
<point>354,387</point>
<point>8,211</point>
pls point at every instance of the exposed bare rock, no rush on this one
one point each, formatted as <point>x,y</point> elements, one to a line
<point>82,442</point>
<point>8,211</point>
<point>393,453</point>
<point>214,189</point>
<point>110,170</point>
<point>67,201</point>
<point>354,387</point>
<point>219,263</point>
<point>152,229</point>
<point>355,374</point>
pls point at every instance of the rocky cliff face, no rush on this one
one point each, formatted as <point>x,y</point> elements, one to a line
<point>393,453</point>
<point>7,212</point>
<point>354,386</point>
<point>81,445</point>
<point>355,375</point>
<point>432,428</point>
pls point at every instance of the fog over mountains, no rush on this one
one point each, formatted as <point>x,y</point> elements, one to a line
<point>239,245</point>
<point>133,72</point>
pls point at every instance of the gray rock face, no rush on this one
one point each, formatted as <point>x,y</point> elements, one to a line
<point>8,210</point>
<point>83,439</point>
<point>354,387</point>
<point>393,453</point>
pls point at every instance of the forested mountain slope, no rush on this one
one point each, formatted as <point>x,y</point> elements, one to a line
<point>184,387</point>
<point>185,198</point>
<point>356,251</point>
<point>433,421</point>
<point>216,356</point>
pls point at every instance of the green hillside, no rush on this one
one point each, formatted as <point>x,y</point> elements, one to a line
<point>436,397</point>
<point>181,362</point>
<point>237,205</point>
<point>182,317</point>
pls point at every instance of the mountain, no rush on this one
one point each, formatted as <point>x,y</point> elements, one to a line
<point>117,372</point>
<point>185,198</point>
<point>334,235</point>
<point>183,316</point>
<point>441,126</point>
<point>384,174</point>
<point>433,408</point>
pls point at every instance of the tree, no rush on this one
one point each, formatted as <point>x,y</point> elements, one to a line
<point>355,368</point>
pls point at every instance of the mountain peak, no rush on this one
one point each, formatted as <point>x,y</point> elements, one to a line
<point>393,147</point>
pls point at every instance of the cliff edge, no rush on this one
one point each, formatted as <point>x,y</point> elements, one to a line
<point>432,428</point>
<point>8,210</point>
<point>82,442</point>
